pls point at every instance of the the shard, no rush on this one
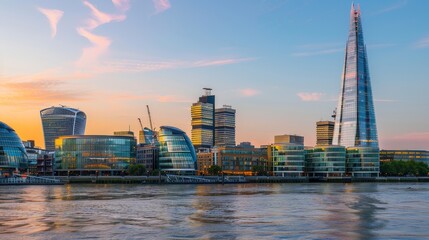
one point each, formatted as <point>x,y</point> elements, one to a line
<point>355,119</point>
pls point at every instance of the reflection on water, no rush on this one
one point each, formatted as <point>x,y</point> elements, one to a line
<point>246,211</point>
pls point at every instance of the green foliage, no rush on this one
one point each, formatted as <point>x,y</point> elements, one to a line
<point>137,170</point>
<point>403,168</point>
<point>259,171</point>
<point>214,170</point>
<point>155,172</point>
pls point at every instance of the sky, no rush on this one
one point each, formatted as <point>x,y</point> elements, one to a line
<point>278,63</point>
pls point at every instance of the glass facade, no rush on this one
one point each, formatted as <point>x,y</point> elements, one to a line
<point>288,160</point>
<point>61,121</point>
<point>84,153</point>
<point>203,121</point>
<point>324,133</point>
<point>363,161</point>
<point>329,161</point>
<point>225,126</point>
<point>176,152</point>
<point>404,155</point>
<point>355,119</point>
<point>12,152</point>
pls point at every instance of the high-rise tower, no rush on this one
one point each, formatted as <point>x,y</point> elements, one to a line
<point>225,126</point>
<point>355,119</point>
<point>61,121</point>
<point>203,117</point>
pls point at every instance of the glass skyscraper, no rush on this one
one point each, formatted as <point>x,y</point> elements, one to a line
<point>355,119</point>
<point>61,121</point>
<point>203,121</point>
<point>225,126</point>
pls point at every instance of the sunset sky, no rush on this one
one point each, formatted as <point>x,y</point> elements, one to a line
<point>277,62</point>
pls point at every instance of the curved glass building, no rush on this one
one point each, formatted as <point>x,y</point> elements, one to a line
<point>61,121</point>
<point>12,152</point>
<point>90,154</point>
<point>355,119</point>
<point>176,152</point>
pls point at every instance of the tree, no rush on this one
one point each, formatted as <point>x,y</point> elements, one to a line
<point>137,170</point>
<point>259,171</point>
<point>214,170</point>
<point>404,168</point>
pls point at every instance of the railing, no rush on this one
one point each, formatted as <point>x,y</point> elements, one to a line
<point>199,179</point>
<point>17,179</point>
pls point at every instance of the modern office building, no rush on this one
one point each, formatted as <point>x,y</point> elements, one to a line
<point>94,154</point>
<point>355,124</point>
<point>286,138</point>
<point>203,120</point>
<point>61,121</point>
<point>33,154</point>
<point>287,159</point>
<point>176,152</point>
<point>225,126</point>
<point>148,155</point>
<point>12,152</point>
<point>363,161</point>
<point>326,161</point>
<point>404,155</point>
<point>324,133</point>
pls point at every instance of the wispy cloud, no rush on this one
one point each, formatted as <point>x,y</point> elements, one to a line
<point>249,92</point>
<point>317,52</point>
<point>100,44</point>
<point>122,5</point>
<point>395,6</point>
<point>54,16</point>
<point>149,66</point>
<point>422,43</point>
<point>310,96</point>
<point>161,5</point>
<point>14,91</point>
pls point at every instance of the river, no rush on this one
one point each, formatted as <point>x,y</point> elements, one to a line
<point>231,211</point>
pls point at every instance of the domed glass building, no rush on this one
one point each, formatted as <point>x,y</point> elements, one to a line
<point>12,151</point>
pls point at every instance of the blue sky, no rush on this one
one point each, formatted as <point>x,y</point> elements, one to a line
<point>277,62</point>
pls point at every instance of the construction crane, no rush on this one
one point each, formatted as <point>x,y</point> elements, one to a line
<point>143,137</point>
<point>150,118</point>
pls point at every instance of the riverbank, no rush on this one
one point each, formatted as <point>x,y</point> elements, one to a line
<point>174,179</point>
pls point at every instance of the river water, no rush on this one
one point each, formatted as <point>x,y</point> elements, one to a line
<point>232,211</point>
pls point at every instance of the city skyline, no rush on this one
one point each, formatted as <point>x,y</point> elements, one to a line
<point>278,64</point>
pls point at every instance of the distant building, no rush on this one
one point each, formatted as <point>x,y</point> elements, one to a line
<point>324,133</point>
<point>246,145</point>
<point>203,120</point>
<point>204,161</point>
<point>124,133</point>
<point>148,155</point>
<point>287,159</point>
<point>326,161</point>
<point>241,160</point>
<point>355,117</point>
<point>45,164</point>
<point>12,152</point>
<point>33,154</point>
<point>176,152</point>
<point>94,154</point>
<point>295,139</point>
<point>405,155</point>
<point>225,126</point>
<point>61,121</point>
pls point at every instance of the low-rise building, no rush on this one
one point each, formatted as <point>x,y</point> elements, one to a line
<point>326,161</point>
<point>287,159</point>
<point>405,155</point>
<point>148,155</point>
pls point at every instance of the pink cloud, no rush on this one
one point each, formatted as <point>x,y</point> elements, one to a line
<point>122,5</point>
<point>54,16</point>
<point>249,92</point>
<point>161,5</point>
<point>99,46</point>
<point>307,97</point>
<point>205,63</point>
<point>100,18</point>
<point>151,97</point>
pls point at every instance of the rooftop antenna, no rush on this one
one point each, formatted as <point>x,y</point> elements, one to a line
<point>207,91</point>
